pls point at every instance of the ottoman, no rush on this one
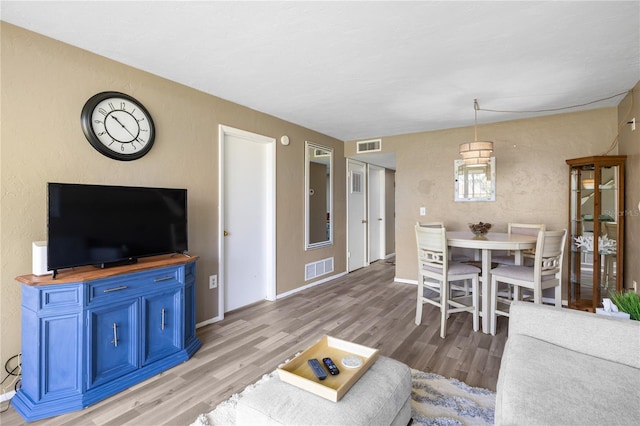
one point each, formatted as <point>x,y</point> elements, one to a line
<point>382,396</point>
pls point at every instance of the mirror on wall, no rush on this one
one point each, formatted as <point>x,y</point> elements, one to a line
<point>475,182</point>
<point>319,195</point>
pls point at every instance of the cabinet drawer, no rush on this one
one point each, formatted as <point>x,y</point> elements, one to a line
<point>57,297</point>
<point>135,284</point>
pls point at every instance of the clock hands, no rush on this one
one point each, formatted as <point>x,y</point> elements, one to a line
<point>123,126</point>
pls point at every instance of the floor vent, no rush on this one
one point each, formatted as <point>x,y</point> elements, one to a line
<point>316,269</point>
<point>369,146</point>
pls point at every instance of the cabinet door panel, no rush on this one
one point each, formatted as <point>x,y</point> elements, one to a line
<point>162,318</point>
<point>113,350</point>
<point>59,342</point>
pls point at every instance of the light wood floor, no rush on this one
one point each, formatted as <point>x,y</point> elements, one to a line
<point>365,306</point>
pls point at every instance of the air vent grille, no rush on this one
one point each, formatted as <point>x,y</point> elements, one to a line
<point>369,146</point>
<point>318,268</point>
<point>356,182</point>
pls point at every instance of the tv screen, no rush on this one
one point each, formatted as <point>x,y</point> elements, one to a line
<point>110,225</point>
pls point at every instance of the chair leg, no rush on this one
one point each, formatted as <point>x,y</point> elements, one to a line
<point>558,294</point>
<point>419,300</point>
<point>493,306</point>
<point>444,308</point>
<point>476,302</point>
<point>537,296</point>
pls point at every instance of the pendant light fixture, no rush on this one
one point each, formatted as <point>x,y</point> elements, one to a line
<point>476,152</point>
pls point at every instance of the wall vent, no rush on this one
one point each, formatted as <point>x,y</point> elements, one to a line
<point>369,146</point>
<point>356,182</point>
<point>318,268</point>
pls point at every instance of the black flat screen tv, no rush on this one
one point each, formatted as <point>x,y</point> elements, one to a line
<point>112,225</point>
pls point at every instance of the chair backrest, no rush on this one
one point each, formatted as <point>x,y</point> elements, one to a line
<point>526,228</point>
<point>549,253</point>
<point>431,224</point>
<point>432,247</point>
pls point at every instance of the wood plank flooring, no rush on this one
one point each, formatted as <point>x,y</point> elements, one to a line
<point>365,306</point>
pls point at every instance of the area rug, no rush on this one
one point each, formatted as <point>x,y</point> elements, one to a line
<point>436,400</point>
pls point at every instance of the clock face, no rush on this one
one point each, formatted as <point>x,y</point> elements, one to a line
<point>118,126</point>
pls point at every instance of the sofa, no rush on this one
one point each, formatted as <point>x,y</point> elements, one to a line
<point>567,367</point>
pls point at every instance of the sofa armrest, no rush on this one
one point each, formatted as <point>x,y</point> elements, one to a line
<point>604,337</point>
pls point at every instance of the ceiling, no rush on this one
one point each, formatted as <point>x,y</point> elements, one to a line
<point>361,70</point>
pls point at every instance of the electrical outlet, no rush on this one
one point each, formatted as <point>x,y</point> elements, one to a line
<point>423,211</point>
<point>213,281</point>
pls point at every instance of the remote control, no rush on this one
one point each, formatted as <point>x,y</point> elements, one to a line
<point>333,369</point>
<point>317,369</point>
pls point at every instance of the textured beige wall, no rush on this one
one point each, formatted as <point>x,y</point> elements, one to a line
<point>390,211</point>
<point>531,174</point>
<point>45,83</point>
<point>630,146</point>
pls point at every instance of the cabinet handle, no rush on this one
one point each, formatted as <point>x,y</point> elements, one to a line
<point>115,335</point>
<point>162,325</point>
<point>109,290</point>
<point>168,277</point>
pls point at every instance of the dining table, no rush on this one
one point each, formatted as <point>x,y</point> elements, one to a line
<point>486,244</point>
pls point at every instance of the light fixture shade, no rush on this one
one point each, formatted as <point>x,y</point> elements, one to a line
<point>476,154</point>
<point>476,146</point>
<point>476,161</point>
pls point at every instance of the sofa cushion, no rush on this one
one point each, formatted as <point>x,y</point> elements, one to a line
<point>540,383</point>
<point>612,339</point>
<point>382,396</point>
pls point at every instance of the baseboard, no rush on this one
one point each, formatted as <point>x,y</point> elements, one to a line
<point>210,321</point>
<point>390,255</point>
<point>313,284</point>
<point>7,396</point>
<point>405,281</point>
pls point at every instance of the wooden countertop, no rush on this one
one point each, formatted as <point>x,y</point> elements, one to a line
<point>88,273</point>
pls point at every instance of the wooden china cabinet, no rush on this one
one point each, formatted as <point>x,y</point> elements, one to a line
<point>596,229</point>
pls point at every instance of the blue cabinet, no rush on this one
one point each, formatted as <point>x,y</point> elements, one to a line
<point>113,333</point>
<point>162,325</point>
<point>92,333</point>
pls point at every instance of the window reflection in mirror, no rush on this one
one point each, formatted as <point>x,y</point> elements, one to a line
<point>475,182</point>
<point>319,195</point>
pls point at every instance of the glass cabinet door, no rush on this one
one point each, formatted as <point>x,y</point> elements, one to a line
<point>596,230</point>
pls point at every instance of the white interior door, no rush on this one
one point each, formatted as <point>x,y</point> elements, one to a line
<point>356,215</point>
<point>376,213</point>
<point>247,218</point>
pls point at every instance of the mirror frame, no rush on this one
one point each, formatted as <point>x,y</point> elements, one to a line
<point>307,161</point>
<point>492,195</point>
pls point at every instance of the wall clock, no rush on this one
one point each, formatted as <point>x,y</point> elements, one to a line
<point>118,126</point>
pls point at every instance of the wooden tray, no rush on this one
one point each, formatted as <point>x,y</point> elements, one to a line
<point>298,373</point>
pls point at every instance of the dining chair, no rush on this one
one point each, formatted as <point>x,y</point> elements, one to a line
<point>436,273</point>
<point>521,229</point>
<point>546,272</point>
<point>527,255</point>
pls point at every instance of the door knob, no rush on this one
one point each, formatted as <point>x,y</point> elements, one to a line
<point>364,221</point>
<point>226,234</point>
